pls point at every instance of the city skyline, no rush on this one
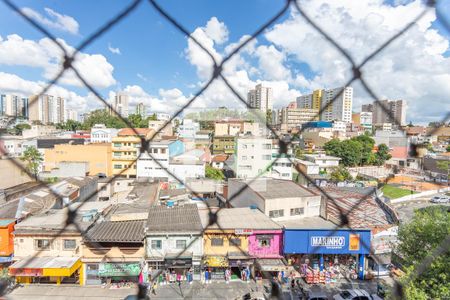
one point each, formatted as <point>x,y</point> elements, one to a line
<point>290,69</point>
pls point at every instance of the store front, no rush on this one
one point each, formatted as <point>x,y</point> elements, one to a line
<point>57,270</point>
<point>323,256</point>
<point>123,274</point>
<point>178,266</point>
<point>240,266</point>
<point>215,266</point>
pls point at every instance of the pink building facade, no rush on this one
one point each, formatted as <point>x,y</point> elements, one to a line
<point>266,244</point>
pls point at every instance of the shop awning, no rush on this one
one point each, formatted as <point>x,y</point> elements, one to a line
<point>45,266</point>
<point>271,265</point>
<point>5,259</point>
<point>184,255</point>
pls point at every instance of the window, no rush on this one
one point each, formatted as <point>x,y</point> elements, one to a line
<point>70,244</point>
<point>297,211</point>
<point>244,157</point>
<point>276,213</point>
<point>180,244</point>
<point>163,150</point>
<point>117,166</point>
<point>263,240</point>
<point>267,157</point>
<point>117,144</point>
<point>116,153</point>
<point>42,244</point>
<point>156,244</point>
<point>217,242</point>
<point>267,146</point>
<point>235,242</point>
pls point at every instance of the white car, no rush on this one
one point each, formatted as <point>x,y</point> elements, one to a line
<point>356,294</point>
<point>440,199</point>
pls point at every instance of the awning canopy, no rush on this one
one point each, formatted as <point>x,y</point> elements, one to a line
<point>271,265</point>
<point>45,266</point>
<point>184,255</point>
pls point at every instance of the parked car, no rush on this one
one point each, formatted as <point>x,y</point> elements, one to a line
<point>356,294</point>
<point>440,199</point>
<point>317,295</point>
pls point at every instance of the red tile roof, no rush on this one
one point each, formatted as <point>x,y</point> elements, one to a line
<point>131,131</point>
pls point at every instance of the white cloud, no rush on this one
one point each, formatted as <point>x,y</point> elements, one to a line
<point>271,63</point>
<point>142,77</point>
<point>54,20</point>
<point>216,30</point>
<point>14,50</point>
<point>114,50</point>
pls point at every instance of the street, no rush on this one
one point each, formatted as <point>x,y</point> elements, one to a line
<point>196,290</point>
<point>406,209</point>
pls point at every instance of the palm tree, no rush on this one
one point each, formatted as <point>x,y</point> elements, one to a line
<point>32,157</point>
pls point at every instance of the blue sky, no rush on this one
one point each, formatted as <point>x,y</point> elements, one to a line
<point>157,65</point>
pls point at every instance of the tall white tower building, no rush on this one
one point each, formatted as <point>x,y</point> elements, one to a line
<point>260,98</point>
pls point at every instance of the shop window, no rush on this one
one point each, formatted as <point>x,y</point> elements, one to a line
<point>70,244</point>
<point>297,211</point>
<point>235,242</point>
<point>217,242</point>
<point>276,213</point>
<point>180,244</point>
<point>156,244</point>
<point>42,244</point>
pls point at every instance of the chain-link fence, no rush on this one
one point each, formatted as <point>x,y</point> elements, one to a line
<point>69,58</point>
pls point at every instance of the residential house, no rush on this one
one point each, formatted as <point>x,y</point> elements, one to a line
<point>166,129</point>
<point>126,148</point>
<point>240,238</point>
<point>223,144</point>
<point>97,156</point>
<point>188,129</point>
<point>173,239</point>
<point>279,199</point>
<point>101,134</point>
<point>48,250</point>
<point>326,163</point>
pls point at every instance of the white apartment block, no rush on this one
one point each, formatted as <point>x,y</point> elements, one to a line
<point>71,114</point>
<point>188,129</point>
<point>120,106</point>
<point>339,126</point>
<point>101,134</point>
<point>254,156</point>
<point>341,108</point>
<point>260,98</point>
<point>305,101</point>
<point>295,117</point>
<point>13,106</point>
<point>47,109</point>
<point>365,120</point>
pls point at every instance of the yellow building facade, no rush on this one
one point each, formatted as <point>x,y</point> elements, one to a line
<point>125,151</point>
<point>317,99</point>
<point>97,155</point>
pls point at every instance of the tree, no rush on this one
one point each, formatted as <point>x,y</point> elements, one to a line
<point>448,148</point>
<point>382,155</point>
<point>137,121</point>
<point>417,239</point>
<point>299,153</point>
<point>367,144</point>
<point>214,173</point>
<point>269,116</point>
<point>102,116</point>
<point>32,157</point>
<point>350,151</point>
<point>18,129</point>
<point>340,174</point>
<point>70,125</point>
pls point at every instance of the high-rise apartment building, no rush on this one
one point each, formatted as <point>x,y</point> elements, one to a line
<point>47,109</point>
<point>260,98</point>
<point>141,110</point>
<point>313,100</point>
<point>387,111</point>
<point>13,106</point>
<point>121,104</point>
<point>338,110</point>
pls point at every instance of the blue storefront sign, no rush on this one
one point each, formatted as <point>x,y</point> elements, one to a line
<point>326,241</point>
<point>300,241</point>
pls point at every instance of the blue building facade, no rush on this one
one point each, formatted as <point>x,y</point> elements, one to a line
<point>319,244</point>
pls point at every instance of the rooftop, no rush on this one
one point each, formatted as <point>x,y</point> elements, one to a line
<point>120,231</point>
<point>270,188</point>
<point>322,156</point>
<point>135,131</point>
<point>220,158</point>
<point>358,204</point>
<point>308,223</point>
<point>174,219</point>
<point>238,218</point>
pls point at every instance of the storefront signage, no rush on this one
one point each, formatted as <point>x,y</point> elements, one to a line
<point>354,242</point>
<point>119,269</point>
<point>216,261</point>
<point>330,242</point>
<point>243,231</point>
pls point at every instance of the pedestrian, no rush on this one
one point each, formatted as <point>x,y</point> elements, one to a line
<point>154,287</point>
<point>179,279</point>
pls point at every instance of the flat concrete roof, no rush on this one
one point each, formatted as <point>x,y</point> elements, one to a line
<point>308,223</point>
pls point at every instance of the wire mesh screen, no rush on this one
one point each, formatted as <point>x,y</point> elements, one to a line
<point>217,74</point>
